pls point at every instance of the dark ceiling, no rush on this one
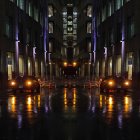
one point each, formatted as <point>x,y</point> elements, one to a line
<point>74,2</point>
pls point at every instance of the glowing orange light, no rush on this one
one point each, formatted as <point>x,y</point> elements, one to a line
<point>13,83</point>
<point>126,100</point>
<point>111,83</point>
<point>65,64</point>
<point>29,101</point>
<point>29,83</point>
<point>74,64</point>
<point>13,100</point>
<point>126,83</point>
<point>12,104</point>
<point>110,100</point>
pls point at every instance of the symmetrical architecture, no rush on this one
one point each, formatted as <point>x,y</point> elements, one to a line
<point>84,37</point>
<point>23,35</point>
<point>51,38</point>
<point>69,39</point>
<point>116,38</point>
<point>55,38</point>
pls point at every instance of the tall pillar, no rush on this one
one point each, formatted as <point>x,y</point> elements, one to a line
<point>26,60</point>
<point>60,72</point>
<point>16,43</point>
<point>17,57</point>
<point>123,57</point>
<point>106,60</point>
<point>79,72</point>
<point>113,59</point>
<point>33,63</point>
<point>123,66</point>
<point>56,70</point>
<point>3,73</point>
<point>94,39</point>
<point>136,69</point>
<point>45,37</point>
<point>83,70</point>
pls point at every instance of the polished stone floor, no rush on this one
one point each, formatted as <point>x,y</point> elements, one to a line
<point>70,114</point>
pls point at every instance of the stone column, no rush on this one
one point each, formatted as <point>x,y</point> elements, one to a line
<point>16,42</point>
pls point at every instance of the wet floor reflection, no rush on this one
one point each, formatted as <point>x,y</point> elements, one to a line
<point>110,107</point>
<point>70,100</point>
<point>20,115</point>
<point>69,114</point>
<point>117,113</point>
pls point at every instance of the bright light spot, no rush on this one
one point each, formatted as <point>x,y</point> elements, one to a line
<point>110,83</point>
<point>29,64</point>
<point>29,83</point>
<point>29,100</point>
<point>13,101</point>
<point>75,13</point>
<point>126,100</point>
<point>65,64</point>
<point>90,15</point>
<point>74,102</point>
<point>13,83</point>
<point>110,100</point>
<point>74,64</point>
<point>126,83</point>
<point>64,13</point>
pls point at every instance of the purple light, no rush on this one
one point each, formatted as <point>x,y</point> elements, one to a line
<point>34,53</point>
<point>35,110</point>
<point>45,37</point>
<point>17,50</point>
<point>123,45</point>
<point>105,53</point>
<point>19,120</point>
<point>94,38</point>
<point>93,108</point>
<point>17,56</point>
<point>16,46</point>
<point>46,108</point>
<point>120,124</point>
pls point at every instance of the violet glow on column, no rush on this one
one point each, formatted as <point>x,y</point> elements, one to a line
<point>17,55</point>
<point>105,53</point>
<point>94,30</point>
<point>34,57</point>
<point>45,30</point>
<point>94,39</point>
<point>45,37</point>
<point>34,53</point>
<point>123,37</point>
<point>17,50</point>
<point>122,51</point>
<point>123,43</point>
<point>16,44</point>
<point>123,47</point>
<point>45,50</point>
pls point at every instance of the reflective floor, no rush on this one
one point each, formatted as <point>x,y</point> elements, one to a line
<point>69,114</point>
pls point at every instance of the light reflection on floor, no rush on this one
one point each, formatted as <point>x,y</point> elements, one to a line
<point>70,113</point>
